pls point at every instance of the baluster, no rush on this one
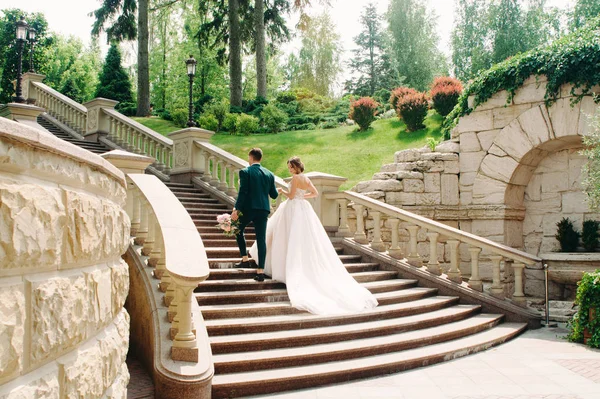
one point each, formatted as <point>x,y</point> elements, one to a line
<point>145,145</point>
<point>454,272</point>
<point>173,301</point>
<point>360,236</point>
<point>223,184</point>
<point>232,190</point>
<point>343,229</point>
<point>377,244</point>
<point>142,231</point>
<point>518,296</point>
<point>185,347</point>
<point>496,290</point>
<point>206,175</point>
<point>433,266</point>
<point>475,280</point>
<point>135,217</point>
<point>157,250</point>
<point>172,314</point>
<point>129,142</point>
<point>395,251</point>
<point>214,181</point>
<point>150,240</point>
<point>111,130</point>
<point>413,257</point>
<point>160,265</point>
<point>159,156</point>
<point>167,160</point>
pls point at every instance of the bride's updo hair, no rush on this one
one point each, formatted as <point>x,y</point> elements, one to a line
<point>296,164</point>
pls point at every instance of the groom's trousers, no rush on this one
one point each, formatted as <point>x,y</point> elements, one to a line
<point>259,219</point>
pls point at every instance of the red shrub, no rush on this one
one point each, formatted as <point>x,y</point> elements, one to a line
<point>363,111</point>
<point>413,110</point>
<point>398,93</point>
<point>444,93</point>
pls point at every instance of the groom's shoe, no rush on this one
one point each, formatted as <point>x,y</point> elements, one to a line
<point>243,265</point>
<point>260,277</point>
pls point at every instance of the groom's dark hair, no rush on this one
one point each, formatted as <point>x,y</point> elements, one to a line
<point>256,153</point>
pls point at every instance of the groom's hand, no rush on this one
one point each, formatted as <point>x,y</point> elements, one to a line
<point>234,215</point>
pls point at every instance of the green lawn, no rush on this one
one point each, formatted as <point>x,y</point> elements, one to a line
<point>157,124</point>
<point>342,151</point>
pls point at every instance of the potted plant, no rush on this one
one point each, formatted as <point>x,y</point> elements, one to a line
<point>567,236</point>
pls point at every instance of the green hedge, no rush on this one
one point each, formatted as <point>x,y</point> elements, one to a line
<point>588,297</point>
<point>573,59</point>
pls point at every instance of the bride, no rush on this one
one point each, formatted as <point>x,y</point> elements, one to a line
<point>300,254</point>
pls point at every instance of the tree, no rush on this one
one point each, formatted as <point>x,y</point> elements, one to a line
<point>9,53</point>
<point>259,43</point>
<point>371,61</point>
<point>414,42</point>
<point>318,63</point>
<point>122,18</point>
<point>507,28</point>
<point>113,80</point>
<point>235,55</point>
<point>584,11</point>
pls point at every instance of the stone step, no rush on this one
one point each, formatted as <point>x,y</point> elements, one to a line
<point>204,206</point>
<point>357,348</point>
<point>269,381</point>
<point>197,200</point>
<point>301,321</point>
<point>179,185</point>
<point>240,273</point>
<point>224,242</point>
<point>345,332</point>
<point>229,240</point>
<point>189,194</point>
<point>225,263</point>
<point>232,252</point>
<point>211,213</point>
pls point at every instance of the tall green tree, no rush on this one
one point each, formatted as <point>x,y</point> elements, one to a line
<point>9,52</point>
<point>114,81</point>
<point>371,63</point>
<point>414,42</point>
<point>506,21</point>
<point>118,18</point>
<point>318,64</point>
<point>584,11</point>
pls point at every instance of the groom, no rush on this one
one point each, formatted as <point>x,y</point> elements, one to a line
<point>257,184</point>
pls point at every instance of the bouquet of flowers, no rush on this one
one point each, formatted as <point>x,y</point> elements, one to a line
<point>230,227</point>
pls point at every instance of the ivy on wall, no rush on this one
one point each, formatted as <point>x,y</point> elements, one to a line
<point>573,59</point>
<point>588,297</point>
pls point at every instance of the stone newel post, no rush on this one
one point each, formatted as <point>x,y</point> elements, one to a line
<point>97,122</point>
<point>327,210</point>
<point>188,159</point>
<point>28,93</point>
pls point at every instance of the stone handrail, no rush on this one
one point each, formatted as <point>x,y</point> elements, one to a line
<point>221,169</point>
<point>174,248</point>
<point>137,138</point>
<point>454,237</point>
<point>68,111</point>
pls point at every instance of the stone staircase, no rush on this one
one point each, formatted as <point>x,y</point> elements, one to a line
<point>96,148</point>
<point>261,344</point>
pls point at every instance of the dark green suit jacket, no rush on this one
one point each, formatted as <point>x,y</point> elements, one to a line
<point>257,184</point>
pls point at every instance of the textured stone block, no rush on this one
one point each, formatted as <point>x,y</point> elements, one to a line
<point>32,218</point>
<point>432,182</point>
<point>504,116</point>
<point>548,203</point>
<point>470,161</point>
<point>440,156</point>
<point>407,155</point>
<point>120,285</point>
<point>513,141</point>
<point>428,198</point>
<point>468,178</point>
<point>413,185</point>
<point>476,122</point>
<point>12,328</point>
<point>400,198</point>
<point>534,124</point>
<point>533,192</point>
<point>553,182</point>
<point>499,168</point>
<point>486,138</point>
<point>488,191</point>
<point>379,185</point>
<point>449,189</point>
<point>530,93</point>
<point>564,117</point>
<point>469,142</point>
<point>118,390</point>
<point>384,175</point>
<point>575,202</point>
<point>403,174</point>
<point>588,109</point>
<point>452,167</point>
<point>45,387</point>
<point>498,99</point>
<point>448,146</point>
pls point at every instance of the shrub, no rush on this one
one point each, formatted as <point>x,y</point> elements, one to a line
<point>588,298</point>
<point>247,124</point>
<point>589,235</point>
<point>445,92</point>
<point>413,110</point>
<point>254,107</point>
<point>362,111</point>
<point>208,122</point>
<point>329,124</point>
<point>127,109</point>
<point>398,94</point>
<point>390,113</point>
<point>286,97</point>
<point>290,108</point>
<point>567,236</point>
<point>165,114</point>
<point>180,117</point>
<point>273,118</point>
<point>202,102</point>
<point>219,110</point>
<point>230,122</point>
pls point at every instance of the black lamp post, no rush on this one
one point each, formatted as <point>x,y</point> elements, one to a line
<point>191,71</point>
<point>31,47</point>
<point>21,37</point>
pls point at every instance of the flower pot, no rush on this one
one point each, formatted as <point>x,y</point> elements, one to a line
<point>586,333</point>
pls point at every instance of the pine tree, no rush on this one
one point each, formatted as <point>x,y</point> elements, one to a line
<point>371,62</point>
<point>114,81</point>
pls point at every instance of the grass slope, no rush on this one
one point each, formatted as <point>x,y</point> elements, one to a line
<point>342,151</point>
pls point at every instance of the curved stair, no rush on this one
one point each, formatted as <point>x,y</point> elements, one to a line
<point>261,344</point>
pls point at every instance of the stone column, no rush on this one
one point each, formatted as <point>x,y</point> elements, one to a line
<point>29,94</point>
<point>23,113</point>
<point>128,162</point>
<point>188,159</point>
<point>327,210</point>
<point>98,124</point>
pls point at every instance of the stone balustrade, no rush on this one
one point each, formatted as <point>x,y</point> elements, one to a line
<point>61,107</point>
<point>63,284</point>
<point>414,225</point>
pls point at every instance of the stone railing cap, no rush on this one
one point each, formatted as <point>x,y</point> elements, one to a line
<point>125,155</point>
<point>62,97</point>
<point>165,141</point>
<point>100,102</point>
<point>34,76</point>
<point>38,138</point>
<point>571,256</point>
<point>191,132</point>
<point>29,110</point>
<point>325,176</point>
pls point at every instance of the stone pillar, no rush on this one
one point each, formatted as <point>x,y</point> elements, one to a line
<point>128,162</point>
<point>188,159</point>
<point>23,113</point>
<point>327,210</point>
<point>29,94</point>
<point>97,122</point>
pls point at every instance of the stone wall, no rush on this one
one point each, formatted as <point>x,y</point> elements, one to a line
<point>63,329</point>
<point>510,171</point>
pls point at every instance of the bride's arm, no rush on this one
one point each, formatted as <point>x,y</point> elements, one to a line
<point>313,192</point>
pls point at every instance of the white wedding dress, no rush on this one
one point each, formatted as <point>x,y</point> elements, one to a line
<point>300,254</point>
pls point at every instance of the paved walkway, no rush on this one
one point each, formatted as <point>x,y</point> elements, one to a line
<point>539,364</point>
<point>140,384</point>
